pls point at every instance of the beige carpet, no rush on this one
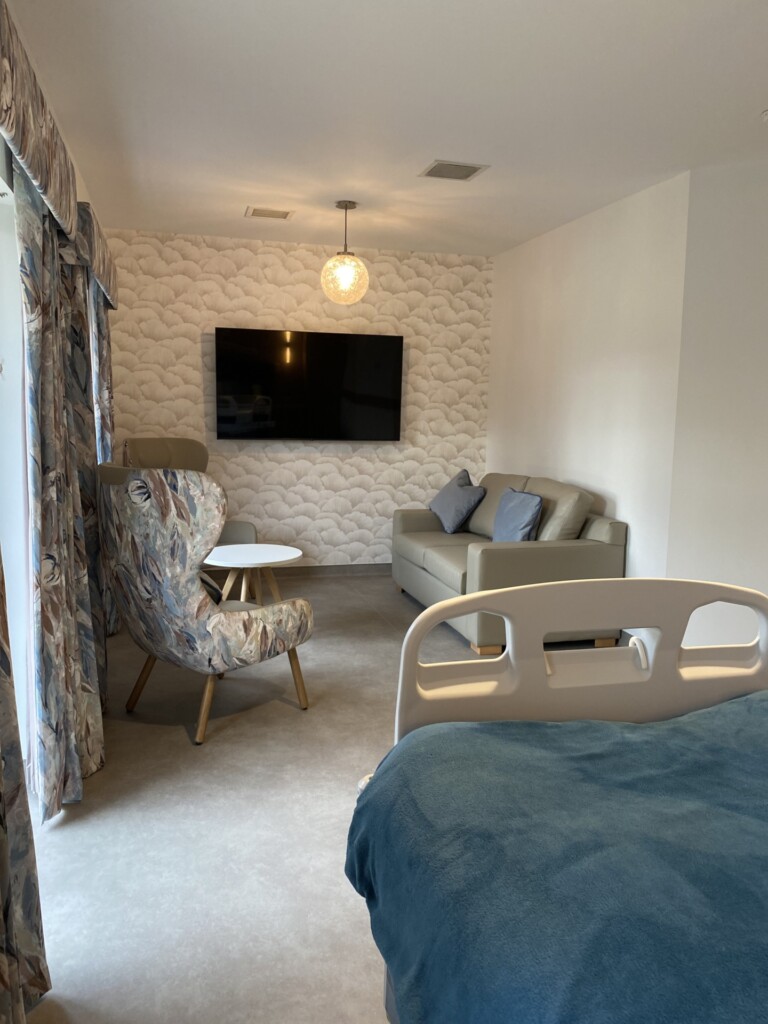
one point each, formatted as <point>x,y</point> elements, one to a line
<point>206,884</point>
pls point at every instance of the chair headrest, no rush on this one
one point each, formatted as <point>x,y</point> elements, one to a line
<point>165,453</point>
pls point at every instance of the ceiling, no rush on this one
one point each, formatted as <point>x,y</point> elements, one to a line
<point>180,113</point>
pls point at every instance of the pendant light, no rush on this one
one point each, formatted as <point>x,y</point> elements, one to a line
<point>344,278</point>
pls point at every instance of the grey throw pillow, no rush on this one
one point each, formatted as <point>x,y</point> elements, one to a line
<point>517,516</point>
<point>456,502</point>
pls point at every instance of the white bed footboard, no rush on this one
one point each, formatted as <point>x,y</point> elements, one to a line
<point>652,679</point>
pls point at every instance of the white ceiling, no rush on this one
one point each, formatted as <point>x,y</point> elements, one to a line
<point>180,113</point>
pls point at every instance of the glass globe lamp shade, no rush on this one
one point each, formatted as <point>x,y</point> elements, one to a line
<point>344,278</point>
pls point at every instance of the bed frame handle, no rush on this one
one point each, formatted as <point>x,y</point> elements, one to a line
<point>655,677</point>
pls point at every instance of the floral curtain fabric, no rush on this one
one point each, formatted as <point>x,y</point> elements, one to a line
<point>23,971</point>
<point>101,360</point>
<point>94,251</point>
<point>27,124</point>
<point>29,128</point>
<point>68,583</point>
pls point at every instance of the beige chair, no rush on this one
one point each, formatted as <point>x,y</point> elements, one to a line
<point>182,453</point>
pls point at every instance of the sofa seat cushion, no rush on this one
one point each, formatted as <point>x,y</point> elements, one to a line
<point>449,565</point>
<point>414,546</point>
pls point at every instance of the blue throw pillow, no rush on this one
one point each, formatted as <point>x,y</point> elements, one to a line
<point>455,503</point>
<point>517,517</point>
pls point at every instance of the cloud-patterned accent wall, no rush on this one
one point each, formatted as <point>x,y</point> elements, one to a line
<point>333,500</point>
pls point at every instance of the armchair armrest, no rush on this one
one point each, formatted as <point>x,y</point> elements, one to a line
<point>496,565</point>
<point>414,520</point>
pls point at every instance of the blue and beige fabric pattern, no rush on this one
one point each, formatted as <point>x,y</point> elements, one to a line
<point>159,525</point>
<point>27,124</point>
<point>68,610</point>
<point>23,971</point>
<point>101,361</point>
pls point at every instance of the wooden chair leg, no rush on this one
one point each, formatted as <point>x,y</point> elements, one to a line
<point>140,683</point>
<point>298,679</point>
<point>205,709</point>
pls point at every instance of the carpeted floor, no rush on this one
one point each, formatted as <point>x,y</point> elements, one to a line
<point>206,884</point>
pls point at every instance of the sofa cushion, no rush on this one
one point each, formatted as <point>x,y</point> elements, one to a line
<point>414,546</point>
<point>517,516</point>
<point>455,503</point>
<point>449,565</point>
<point>564,510</point>
<point>481,521</point>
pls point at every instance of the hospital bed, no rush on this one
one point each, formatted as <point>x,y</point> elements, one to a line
<point>575,836</point>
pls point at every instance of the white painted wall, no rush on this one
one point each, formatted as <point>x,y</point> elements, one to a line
<point>718,522</point>
<point>585,345</point>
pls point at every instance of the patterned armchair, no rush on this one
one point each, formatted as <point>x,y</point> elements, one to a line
<point>158,526</point>
<point>182,453</point>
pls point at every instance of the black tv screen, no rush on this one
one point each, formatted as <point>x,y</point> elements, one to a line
<point>308,385</point>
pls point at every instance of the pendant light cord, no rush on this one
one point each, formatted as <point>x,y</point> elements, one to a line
<point>346,211</point>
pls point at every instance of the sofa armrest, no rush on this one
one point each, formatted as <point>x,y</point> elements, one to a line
<point>495,565</point>
<point>605,529</point>
<point>414,520</point>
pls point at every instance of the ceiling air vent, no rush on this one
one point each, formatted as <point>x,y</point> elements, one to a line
<point>259,211</point>
<point>453,171</point>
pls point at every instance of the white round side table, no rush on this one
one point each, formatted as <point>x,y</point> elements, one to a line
<point>247,557</point>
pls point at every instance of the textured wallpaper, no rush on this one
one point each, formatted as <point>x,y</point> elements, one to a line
<point>334,500</point>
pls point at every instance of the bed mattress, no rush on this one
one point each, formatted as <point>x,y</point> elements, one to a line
<point>572,873</point>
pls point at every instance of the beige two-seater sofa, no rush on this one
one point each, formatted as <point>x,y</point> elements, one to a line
<point>572,543</point>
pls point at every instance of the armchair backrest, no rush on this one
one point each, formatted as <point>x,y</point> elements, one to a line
<point>163,452</point>
<point>158,525</point>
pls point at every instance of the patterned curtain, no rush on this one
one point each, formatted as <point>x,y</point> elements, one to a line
<point>23,971</point>
<point>101,362</point>
<point>68,585</point>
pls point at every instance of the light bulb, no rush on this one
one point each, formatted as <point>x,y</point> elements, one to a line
<point>344,278</point>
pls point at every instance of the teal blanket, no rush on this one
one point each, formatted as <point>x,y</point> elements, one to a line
<point>573,873</point>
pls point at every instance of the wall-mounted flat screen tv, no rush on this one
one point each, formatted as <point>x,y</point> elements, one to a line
<point>308,385</point>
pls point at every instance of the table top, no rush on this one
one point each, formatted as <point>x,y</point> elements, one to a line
<point>252,556</point>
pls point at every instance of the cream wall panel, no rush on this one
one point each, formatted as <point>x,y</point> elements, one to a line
<point>720,481</point>
<point>587,323</point>
<point>334,500</point>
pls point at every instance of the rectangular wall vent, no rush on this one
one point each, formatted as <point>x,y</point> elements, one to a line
<point>260,211</point>
<point>452,170</point>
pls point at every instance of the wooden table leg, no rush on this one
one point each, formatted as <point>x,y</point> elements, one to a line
<point>272,582</point>
<point>231,577</point>
<point>245,585</point>
<point>256,586</point>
